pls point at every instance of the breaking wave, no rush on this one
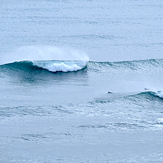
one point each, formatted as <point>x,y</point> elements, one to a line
<point>51,58</point>
<point>155,93</point>
<point>52,66</point>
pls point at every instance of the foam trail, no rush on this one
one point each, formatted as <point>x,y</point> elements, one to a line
<point>31,53</point>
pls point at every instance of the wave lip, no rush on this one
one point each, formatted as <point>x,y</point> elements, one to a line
<point>61,66</point>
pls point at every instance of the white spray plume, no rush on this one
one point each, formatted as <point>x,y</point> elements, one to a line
<point>32,53</point>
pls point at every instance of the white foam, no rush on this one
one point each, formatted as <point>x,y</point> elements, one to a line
<point>64,66</point>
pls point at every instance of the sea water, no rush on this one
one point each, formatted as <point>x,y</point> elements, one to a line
<point>81,81</point>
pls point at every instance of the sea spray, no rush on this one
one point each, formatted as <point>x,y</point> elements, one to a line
<point>32,53</point>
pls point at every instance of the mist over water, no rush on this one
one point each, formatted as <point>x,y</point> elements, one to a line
<point>81,81</point>
<point>31,53</point>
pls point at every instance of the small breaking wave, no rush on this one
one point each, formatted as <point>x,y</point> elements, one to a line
<point>152,93</point>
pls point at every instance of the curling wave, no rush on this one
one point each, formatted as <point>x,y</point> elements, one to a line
<point>52,66</point>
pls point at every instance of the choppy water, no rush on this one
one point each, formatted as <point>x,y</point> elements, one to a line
<point>59,104</point>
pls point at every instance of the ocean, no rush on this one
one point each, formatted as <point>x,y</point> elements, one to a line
<point>81,81</point>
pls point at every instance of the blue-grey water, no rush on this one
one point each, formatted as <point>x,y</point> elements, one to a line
<point>81,81</point>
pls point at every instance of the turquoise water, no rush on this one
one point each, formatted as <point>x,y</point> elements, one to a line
<point>81,81</point>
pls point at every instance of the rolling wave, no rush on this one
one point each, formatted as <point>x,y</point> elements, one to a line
<point>52,66</point>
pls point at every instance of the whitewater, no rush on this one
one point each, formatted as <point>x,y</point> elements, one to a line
<point>81,81</point>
